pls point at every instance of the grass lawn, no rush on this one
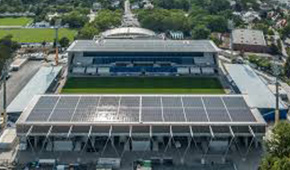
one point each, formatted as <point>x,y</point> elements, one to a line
<point>148,85</point>
<point>19,21</point>
<point>36,35</point>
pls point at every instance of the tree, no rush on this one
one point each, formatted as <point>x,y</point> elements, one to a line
<point>162,20</point>
<point>64,42</point>
<point>172,4</point>
<point>88,32</point>
<point>200,32</point>
<point>218,5</point>
<point>7,47</point>
<point>263,27</point>
<point>275,163</point>
<point>285,31</point>
<point>75,19</point>
<point>278,148</point>
<point>287,68</point>
<point>107,19</point>
<point>216,23</point>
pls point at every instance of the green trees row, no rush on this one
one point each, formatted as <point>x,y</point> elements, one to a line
<point>198,23</point>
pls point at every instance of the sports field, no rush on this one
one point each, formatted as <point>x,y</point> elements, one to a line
<point>19,21</point>
<point>142,85</point>
<point>36,35</point>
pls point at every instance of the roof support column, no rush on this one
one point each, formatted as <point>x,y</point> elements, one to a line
<point>170,138</point>
<point>207,149</point>
<point>230,144</point>
<point>69,132</point>
<point>88,138</point>
<point>46,138</point>
<point>28,139</point>
<point>109,139</point>
<point>189,141</point>
<point>252,141</point>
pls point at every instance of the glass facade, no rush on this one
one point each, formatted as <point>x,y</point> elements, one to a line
<point>144,62</point>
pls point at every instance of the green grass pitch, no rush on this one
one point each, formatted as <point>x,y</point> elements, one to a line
<point>18,21</point>
<point>143,85</point>
<point>37,35</point>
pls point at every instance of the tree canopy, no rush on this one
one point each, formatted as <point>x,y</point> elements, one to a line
<point>162,20</point>
<point>278,148</point>
<point>105,19</point>
<point>7,47</point>
<point>75,19</point>
<point>200,32</point>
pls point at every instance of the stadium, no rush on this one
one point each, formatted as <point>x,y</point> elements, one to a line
<point>138,57</point>
<point>143,64</point>
<point>156,99</point>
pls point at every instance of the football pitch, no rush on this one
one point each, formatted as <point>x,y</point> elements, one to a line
<point>143,85</point>
<point>17,21</point>
<point>37,35</point>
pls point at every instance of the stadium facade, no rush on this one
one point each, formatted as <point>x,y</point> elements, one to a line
<point>106,57</point>
<point>149,123</point>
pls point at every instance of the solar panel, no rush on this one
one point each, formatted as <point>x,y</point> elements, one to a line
<point>67,102</point>
<point>173,114</point>
<point>235,102</point>
<point>46,102</point>
<point>88,102</point>
<point>217,115</point>
<point>128,115</point>
<point>61,115</point>
<point>196,115</point>
<point>153,109</point>
<point>109,102</point>
<point>213,102</point>
<point>152,114</point>
<point>151,102</point>
<point>130,102</point>
<point>42,109</point>
<point>192,102</point>
<point>171,102</point>
<point>106,114</point>
<point>241,115</point>
<point>39,114</point>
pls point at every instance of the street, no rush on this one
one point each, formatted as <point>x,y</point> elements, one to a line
<point>18,80</point>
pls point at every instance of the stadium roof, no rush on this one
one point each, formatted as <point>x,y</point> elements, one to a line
<point>39,84</point>
<point>249,83</point>
<point>139,113</point>
<point>128,32</point>
<point>248,37</point>
<point>142,45</point>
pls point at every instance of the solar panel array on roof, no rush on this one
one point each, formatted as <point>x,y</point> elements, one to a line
<point>77,108</point>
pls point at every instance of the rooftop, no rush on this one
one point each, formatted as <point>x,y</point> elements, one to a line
<point>39,84</point>
<point>248,37</point>
<point>249,83</point>
<point>141,112</point>
<point>128,32</point>
<point>143,45</point>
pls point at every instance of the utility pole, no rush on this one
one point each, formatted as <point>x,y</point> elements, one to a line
<point>276,72</point>
<point>57,25</point>
<point>4,113</point>
<point>231,27</point>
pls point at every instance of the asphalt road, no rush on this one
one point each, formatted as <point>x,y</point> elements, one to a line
<point>18,80</point>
